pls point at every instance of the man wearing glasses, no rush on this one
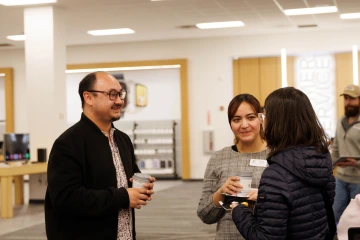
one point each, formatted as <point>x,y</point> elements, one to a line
<point>89,194</point>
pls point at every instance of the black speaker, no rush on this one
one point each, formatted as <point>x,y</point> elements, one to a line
<point>41,153</point>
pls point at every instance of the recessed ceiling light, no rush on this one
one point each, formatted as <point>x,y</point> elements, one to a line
<point>17,37</point>
<point>307,11</point>
<point>24,2</point>
<point>212,25</point>
<point>106,32</point>
<point>350,15</point>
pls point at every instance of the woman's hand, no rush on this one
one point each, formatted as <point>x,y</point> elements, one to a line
<point>231,186</point>
<point>253,194</point>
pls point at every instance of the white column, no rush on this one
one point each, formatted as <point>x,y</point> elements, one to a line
<point>45,59</point>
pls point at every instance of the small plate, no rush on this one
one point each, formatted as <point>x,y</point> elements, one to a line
<point>230,198</point>
<point>226,194</point>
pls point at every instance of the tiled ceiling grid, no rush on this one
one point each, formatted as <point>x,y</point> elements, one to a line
<point>163,19</point>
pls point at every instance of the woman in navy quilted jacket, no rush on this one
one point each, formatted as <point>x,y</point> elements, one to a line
<point>290,204</point>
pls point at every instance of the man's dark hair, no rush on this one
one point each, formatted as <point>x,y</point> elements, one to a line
<point>86,84</point>
<point>291,121</point>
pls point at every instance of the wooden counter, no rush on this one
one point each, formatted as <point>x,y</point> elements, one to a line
<point>7,174</point>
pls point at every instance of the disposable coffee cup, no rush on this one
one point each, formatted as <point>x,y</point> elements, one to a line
<point>139,179</point>
<point>245,181</point>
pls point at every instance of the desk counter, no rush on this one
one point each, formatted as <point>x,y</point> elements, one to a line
<point>7,174</point>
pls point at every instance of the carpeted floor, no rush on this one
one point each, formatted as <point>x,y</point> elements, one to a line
<point>170,215</point>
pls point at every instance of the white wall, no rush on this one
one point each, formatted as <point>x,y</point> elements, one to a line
<point>163,88</point>
<point>210,71</point>
<point>316,76</point>
<point>16,60</point>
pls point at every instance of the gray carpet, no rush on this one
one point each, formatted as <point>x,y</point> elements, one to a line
<point>170,215</point>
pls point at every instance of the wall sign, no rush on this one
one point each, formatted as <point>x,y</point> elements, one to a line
<point>141,95</point>
<point>315,76</point>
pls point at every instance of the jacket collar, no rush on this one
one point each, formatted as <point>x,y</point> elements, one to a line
<point>344,122</point>
<point>87,120</point>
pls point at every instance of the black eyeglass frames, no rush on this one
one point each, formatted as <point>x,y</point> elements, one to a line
<point>112,94</point>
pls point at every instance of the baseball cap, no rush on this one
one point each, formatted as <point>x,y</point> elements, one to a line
<point>352,91</point>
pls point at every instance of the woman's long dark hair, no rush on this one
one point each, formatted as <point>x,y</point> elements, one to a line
<point>291,121</point>
<point>235,103</point>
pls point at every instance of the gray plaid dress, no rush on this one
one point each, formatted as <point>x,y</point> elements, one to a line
<point>222,165</point>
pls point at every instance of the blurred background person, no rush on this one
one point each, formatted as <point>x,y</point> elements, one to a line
<point>347,143</point>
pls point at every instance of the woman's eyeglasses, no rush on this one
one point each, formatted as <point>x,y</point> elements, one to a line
<point>261,116</point>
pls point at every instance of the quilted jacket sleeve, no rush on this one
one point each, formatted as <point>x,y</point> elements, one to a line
<point>330,188</point>
<point>271,211</point>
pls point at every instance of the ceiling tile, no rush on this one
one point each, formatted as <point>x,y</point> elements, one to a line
<point>161,20</point>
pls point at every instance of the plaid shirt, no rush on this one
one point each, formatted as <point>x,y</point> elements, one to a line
<point>222,165</point>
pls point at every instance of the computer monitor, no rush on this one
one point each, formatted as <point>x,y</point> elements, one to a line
<point>16,147</point>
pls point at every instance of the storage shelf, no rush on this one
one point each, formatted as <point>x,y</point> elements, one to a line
<point>152,140</point>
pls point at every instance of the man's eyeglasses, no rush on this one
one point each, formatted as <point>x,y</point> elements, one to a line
<point>112,94</point>
<point>261,116</point>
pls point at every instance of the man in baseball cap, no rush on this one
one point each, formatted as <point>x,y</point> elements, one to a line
<point>347,144</point>
<point>352,91</point>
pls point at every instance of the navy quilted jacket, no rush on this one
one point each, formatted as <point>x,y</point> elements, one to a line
<point>289,204</point>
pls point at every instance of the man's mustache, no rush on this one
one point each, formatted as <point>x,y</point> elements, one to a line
<point>117,106</point>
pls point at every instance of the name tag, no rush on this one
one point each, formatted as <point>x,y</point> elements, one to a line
<point>258,163</point>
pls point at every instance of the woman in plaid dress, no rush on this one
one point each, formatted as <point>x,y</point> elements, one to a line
<point>224,165</point>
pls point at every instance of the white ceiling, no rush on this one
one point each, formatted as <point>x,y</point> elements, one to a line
<point>161,20</point>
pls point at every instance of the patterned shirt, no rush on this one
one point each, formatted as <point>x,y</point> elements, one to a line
<point>125,216</point>
<point>222,165</point>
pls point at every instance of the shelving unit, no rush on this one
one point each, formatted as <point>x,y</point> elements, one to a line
<point>155,148</point>
<point>157,145</point>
